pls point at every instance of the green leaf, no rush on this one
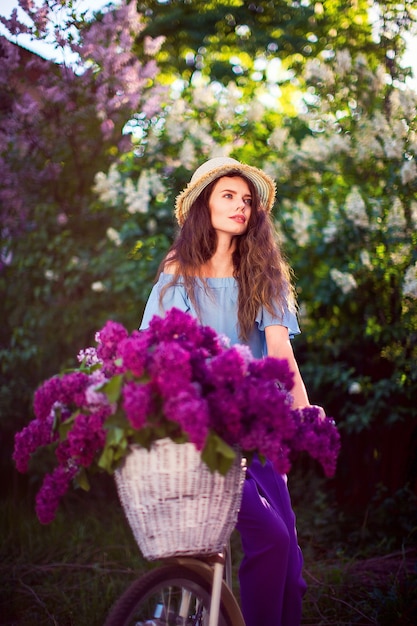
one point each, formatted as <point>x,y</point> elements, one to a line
<point>81,480</point>
<point>113,388</point>
<point>118,419</point>
<point>65,427</point>
<point>217,454</point>
<point>115,436</point>
<point>106,460</point>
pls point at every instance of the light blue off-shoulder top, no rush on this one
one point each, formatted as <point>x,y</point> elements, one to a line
<point>217,306</point>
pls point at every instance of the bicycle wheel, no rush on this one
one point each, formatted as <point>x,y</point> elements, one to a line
<point>171,595</point>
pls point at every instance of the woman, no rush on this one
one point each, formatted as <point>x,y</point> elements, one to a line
<point>226,268</point>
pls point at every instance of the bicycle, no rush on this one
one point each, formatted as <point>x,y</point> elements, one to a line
<point>192,586</point>
<point>183,591</point>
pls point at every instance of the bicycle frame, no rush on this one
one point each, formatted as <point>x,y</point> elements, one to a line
<point>213,572</point>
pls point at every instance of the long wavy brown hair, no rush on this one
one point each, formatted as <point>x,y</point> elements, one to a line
<point>260,269</point>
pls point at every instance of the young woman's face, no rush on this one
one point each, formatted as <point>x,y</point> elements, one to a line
<point>230,205</point>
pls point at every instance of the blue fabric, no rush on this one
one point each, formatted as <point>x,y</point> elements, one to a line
<point>218,309</point>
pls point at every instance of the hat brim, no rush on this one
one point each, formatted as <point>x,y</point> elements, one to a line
<point>263,183</point>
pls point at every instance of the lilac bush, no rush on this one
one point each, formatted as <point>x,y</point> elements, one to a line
<point>177,379</point>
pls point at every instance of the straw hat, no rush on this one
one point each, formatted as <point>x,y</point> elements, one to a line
<point>215,168</point>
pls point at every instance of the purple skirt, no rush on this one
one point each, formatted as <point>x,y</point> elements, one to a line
<point>270,575</point>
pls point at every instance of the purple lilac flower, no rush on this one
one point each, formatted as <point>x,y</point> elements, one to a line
<point>73,388</point>
<point>87,437</point>
<point>186,330</point>
<point>266,419</point>
<point>170,368</point>
<point>54,486</point>
<point>209,343</point>
<point>318,436</point>
<point>67,390</point>
<point>228,369</point>
<point>266,400</point>
<point>271,368</point>
<point>225,415</point>
<point>45,397</point>
<point>63,452</point>
<point>203,386</point>
<point>279,456</point>
<point>39,432</point>
<point>134,352</point>
<point>88,357</point>
<point>108,339</point>
<point>94,398</point>
<point>174,326</point>
<point>137,402</point>
<point>190,411</point>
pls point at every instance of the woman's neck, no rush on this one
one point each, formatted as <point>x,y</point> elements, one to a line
<point>221,263</point>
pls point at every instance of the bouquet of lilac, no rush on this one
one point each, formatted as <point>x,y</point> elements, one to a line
<point>177,379</point>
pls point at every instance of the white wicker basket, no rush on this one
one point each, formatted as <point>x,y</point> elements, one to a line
<point>174,504</point>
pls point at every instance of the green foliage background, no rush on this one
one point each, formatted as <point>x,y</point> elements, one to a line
<point>317,96</point>
<point>266,83</point>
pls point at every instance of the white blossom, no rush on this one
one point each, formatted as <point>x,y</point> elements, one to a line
<point>137,198</point>
<point>156,185</point>
<point>98,286</point>
<point>403,102</point>
<point>316,70</point>
<point>314,148</point>
<point>330,232</point>
<point>174,123</point>
<point>230,100</point>
<point>331,228</point>
<point>152,226</point>
<point>339,143</point>
<point>114,236</point>
<point>355,388</point>
<point>380,124</point>
<point>367,144</point>
<point>343,62</point>
<point>278,138</point>
<point>410,281</point>
<point>394,147</point>
<point>365,259</point>
<point>413,210</point>
<point>344,280</point>
<point>187,154</point>
<point>401,253</point>
<point>408,172</point>
<point>256,111</point>
<point>302,218</point>
<point>356,208</point>
<point>203,95</point>
<point>396,217</point>
<point>51,275</point>
<point>107,187</point>
<point>378,79</point>
<point>199,131</point>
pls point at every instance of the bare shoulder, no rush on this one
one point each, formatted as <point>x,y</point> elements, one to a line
<point>170,265</point>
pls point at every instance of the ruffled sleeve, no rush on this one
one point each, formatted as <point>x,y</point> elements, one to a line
<point>175,296</point>
<point>286,318</point>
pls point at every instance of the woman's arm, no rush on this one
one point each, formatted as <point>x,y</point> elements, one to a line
<point>279,345</point>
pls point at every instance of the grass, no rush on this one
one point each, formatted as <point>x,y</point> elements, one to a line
<point>70,572</point>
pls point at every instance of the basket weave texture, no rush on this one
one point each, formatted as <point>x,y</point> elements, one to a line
<point>174,504</point>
